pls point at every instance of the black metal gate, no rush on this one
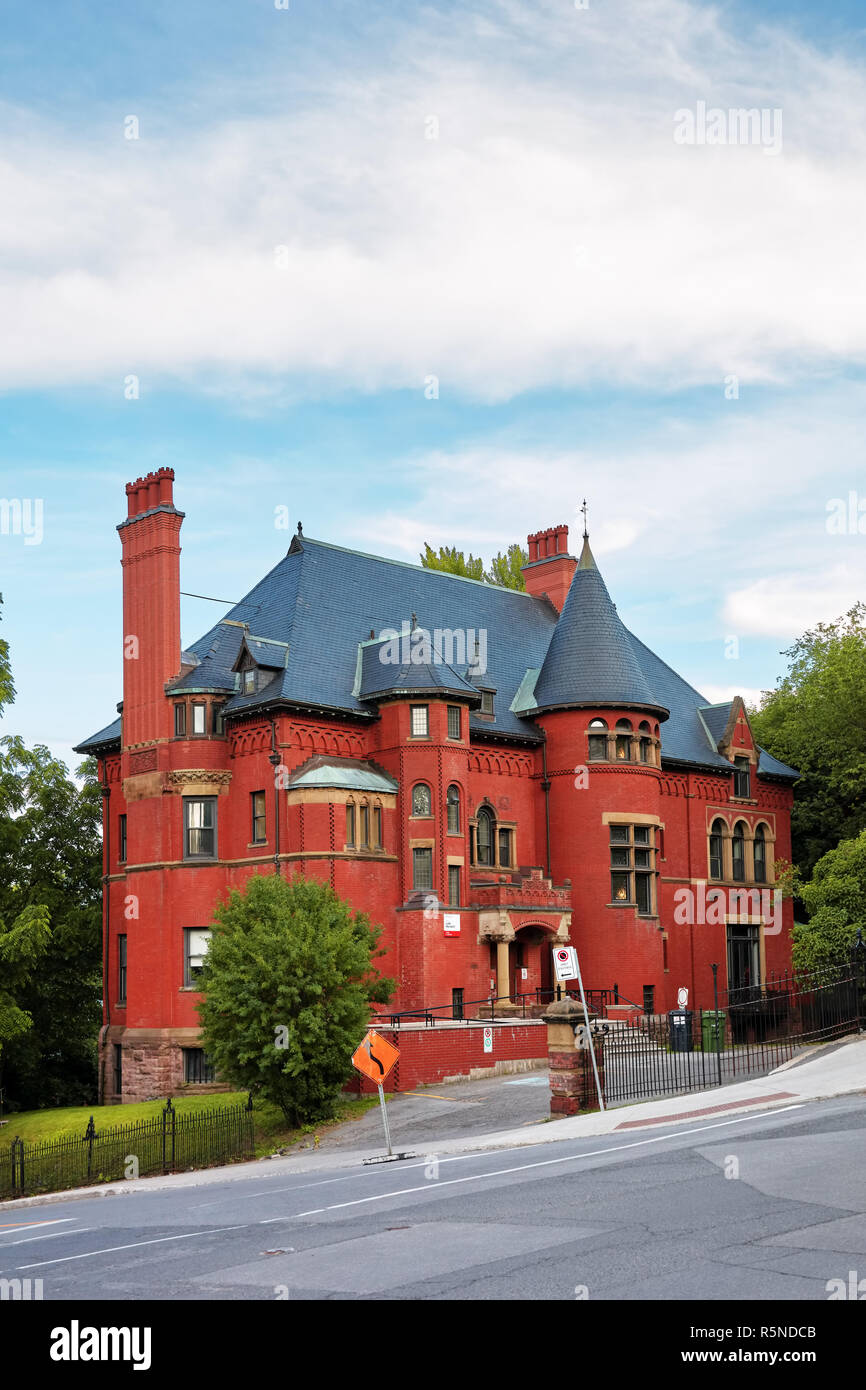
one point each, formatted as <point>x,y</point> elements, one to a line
<point>752,1031</point>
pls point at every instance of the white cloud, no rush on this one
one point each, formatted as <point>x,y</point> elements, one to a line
<point>787,604</point>
<point>554,233</point>
<point>721,694</point>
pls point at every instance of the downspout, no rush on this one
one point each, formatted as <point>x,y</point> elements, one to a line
<point>545,783</point>
<point>106,873</point>
<point>689,797</point>
<point>275,760</point>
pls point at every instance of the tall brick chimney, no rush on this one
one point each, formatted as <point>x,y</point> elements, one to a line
<point>150,540</point>
<point>550,567</point>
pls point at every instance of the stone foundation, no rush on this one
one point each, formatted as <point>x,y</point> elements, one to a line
<point>152,1067</point>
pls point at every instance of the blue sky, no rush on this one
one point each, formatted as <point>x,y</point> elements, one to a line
<point>328,205</point>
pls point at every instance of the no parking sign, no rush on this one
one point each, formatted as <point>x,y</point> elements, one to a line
<point>565,962</point>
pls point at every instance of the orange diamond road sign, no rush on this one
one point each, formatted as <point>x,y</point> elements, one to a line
<point>375,1057</point>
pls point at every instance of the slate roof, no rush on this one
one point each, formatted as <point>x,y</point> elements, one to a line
<point>591,659</point>
<point>401,666</point>
<point>322,601</point>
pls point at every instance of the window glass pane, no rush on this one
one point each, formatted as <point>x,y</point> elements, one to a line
<point>643,894</point>
<point>619,884</point>
<point>642,859</point>
<point>484,837</point>
<point>350,825</point>
<point>121,849</point>
<point>422,866</point>
<point>377,826</point>
<point>453,810</point>
<point>642,835</point>
<point>421,800</point>
<point>249,682</point>
<point>486,702</point>
<point>597,747</point>
<point>623,748</point>
<point>453,885</point>
<point>201,825</point>
<point>365,827</point>
<point>419,721</point>
<point>180,720</point>
<point>505,848</point>
<point>198,719</point>
<point>620,858</point>
<point>453,721</point>
<point>619,833</point>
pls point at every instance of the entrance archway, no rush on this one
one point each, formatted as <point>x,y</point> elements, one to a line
<point>530,966</point>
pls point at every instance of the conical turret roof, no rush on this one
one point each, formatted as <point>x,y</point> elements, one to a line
<point>591,659</point>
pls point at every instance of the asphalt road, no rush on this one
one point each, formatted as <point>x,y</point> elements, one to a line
<point>633,1215</point>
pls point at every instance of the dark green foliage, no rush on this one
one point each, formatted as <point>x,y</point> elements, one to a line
<point>815,720</point>
<point>288,983</point>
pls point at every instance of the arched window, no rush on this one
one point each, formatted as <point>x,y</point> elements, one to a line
<point>738,852</point>
<point>485,836</point>
<point>717,831</point>
<point>453,804</point>
<point>623,740</point>
<point>760,854</point>
<point>597,740</point>
<point>421,800</point>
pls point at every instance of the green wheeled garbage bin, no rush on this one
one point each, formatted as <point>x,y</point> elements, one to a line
<point>713,1030</point>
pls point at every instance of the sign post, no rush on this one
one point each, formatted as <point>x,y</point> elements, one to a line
<point>374,1059</point>
<point>567,967</point>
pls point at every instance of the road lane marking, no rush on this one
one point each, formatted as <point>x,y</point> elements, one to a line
<point>79,1231</point>
<point>112,1249</point>
<point>523,1167</point>
<point>18,1225</point>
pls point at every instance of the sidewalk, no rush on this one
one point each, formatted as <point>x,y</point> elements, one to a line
<point>836,1070</point>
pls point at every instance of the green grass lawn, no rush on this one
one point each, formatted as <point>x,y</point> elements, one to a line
<point>270,1128</point>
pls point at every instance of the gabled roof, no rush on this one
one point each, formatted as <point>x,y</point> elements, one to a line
<point>591,659</point>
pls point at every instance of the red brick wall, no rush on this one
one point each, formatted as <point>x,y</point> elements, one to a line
<point>429,1054</point>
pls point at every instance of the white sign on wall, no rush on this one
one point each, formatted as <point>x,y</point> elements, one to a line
<point>682,998</point>
<point>488,1039</point>
<point>451,923</point>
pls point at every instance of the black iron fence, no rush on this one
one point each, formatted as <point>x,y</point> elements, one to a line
<point>502,1008</point>
<point>167,1143</point>
<point>750,1032</point>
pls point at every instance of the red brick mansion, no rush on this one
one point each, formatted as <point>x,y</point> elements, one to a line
<point>485,772</point>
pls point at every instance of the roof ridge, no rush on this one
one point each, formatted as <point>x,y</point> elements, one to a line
<point>407,564</point>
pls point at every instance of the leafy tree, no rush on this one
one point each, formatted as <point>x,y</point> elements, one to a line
<point>7,689</point>
<point>815,720</point>
<point>504,569</point>
<point>452,561</point>
<point>50,896</point>
<point>288,982</point>
<point>835,898</point>
<point>50,861</point>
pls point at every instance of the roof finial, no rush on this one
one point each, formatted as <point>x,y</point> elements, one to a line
<point>585,532</point>
<point>300,529</point>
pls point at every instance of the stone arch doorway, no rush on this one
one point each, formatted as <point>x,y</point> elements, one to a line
<point>530,963</point>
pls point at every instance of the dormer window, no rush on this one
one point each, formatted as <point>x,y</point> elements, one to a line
<point>486,702</point>
<point>249,680</point>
